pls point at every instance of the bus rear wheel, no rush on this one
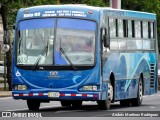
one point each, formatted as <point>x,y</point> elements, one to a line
<point>105,104</point>
<point>138,101</point>
<point>33,104</point>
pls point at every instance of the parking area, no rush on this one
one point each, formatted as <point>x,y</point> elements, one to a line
<point>2,69</point>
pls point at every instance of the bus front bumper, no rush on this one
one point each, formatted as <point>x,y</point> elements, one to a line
<point>56,95</point>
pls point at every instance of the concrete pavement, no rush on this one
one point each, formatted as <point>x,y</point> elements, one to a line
<point>5,93</point>
<point>2,92</point>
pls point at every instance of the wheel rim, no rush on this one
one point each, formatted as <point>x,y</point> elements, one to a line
<point>110,92</point>
<point>140,90</point>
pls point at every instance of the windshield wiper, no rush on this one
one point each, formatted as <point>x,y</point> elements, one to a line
<point>40,56</point>
<point>19,45</point>
<point>65,55</point>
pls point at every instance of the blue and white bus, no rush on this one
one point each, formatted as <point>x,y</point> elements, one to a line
<point>74,53</point>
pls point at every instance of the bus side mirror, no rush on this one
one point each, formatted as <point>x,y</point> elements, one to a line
<point>105,37</point>
<point>107,41</point>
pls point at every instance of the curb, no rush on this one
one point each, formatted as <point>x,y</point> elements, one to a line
<point>5,93</point>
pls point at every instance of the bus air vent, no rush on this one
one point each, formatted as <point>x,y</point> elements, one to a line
<point>152,70</point>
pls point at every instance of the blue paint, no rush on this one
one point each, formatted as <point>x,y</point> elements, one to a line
<point>59,59</point>
<point>76,24</point>
<point>127,68</point>
<point>75,78</point>
<point>40,23</point>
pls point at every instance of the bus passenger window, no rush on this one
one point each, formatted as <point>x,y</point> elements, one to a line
<point>120,28</point>
<point>129,28</point>
<point>122,44</point>
<point>125,28</point>
<point>146,44</point>
<point>149,30</point>
<point>152,30</point>
<point>139,44</point>
<point>152,47</point>
<point>131,45</point>
<point>137,29</point>
<point>112,23</point>
<point>133,29</point>
<point>145,29</point>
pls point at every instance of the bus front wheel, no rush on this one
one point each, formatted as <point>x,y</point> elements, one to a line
<point>33,104</point>
<point>66,103</point>
<point>105,104</point>
<point>76,103</point>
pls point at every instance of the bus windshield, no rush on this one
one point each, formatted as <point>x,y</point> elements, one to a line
<point>43,39</point>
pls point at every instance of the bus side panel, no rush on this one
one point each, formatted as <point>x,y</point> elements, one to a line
<point>127,68</point>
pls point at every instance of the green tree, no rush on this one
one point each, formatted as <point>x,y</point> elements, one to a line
<point>9,9</point>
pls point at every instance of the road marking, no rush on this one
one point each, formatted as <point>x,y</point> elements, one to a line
<point>17,109</point>
<point>103,115</point>
<point>40,108</point>
<point>5,98</point>
<point>68,111</point>
<point>51,106</point>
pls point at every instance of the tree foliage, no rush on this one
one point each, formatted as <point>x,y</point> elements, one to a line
<point>12,6</point>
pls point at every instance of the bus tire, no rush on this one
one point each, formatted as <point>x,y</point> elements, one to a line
<point>33,104</point>
<point>105,104</point>
<point>138,101</point>
<point>66,103</point>
<point>76,103</point>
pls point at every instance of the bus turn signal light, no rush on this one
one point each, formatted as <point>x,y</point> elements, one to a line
<point>20,87</point>
<point>89,87</point>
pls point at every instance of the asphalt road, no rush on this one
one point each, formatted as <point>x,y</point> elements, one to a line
<point>151,104</point>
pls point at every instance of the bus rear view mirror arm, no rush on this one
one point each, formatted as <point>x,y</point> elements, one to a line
<point>105,37</point>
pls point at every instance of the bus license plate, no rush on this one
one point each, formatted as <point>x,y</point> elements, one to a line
<point>53,94</point>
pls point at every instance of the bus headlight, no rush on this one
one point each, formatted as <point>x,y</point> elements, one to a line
<point>89,87</point>
<point>20,87</point>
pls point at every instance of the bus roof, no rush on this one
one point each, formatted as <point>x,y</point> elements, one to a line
<point>77,11</point>
<point>129,13</point>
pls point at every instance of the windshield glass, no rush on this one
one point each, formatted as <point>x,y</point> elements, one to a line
<point>75,37</point>
<point>33,36</point>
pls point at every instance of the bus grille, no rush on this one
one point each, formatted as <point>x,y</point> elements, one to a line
<point>152,70</point>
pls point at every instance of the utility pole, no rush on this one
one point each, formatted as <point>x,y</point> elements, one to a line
<point>115,4</point>
<point>5,49</point>
<point>58,2</point>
